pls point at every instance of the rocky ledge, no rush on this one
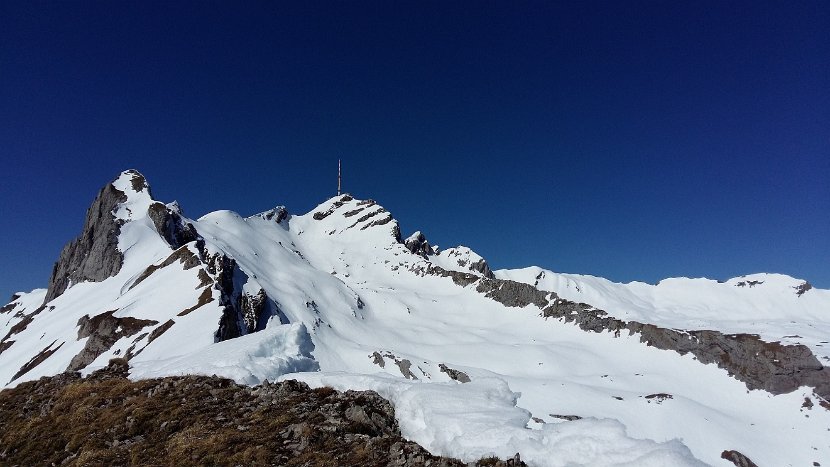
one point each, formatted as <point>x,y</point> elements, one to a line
<point>770,366</point>
<point>106,419</point>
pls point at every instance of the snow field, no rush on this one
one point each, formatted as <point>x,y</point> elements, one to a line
<point>363,315</point>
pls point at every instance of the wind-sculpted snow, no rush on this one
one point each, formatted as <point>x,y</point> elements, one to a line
<point>476,362</point>
<point>481,419</point>
<point>250,359</point>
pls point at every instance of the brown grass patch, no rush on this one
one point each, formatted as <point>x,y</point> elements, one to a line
<point>195,420</point>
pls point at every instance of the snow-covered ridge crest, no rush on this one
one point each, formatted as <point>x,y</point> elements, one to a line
<point>137,195</point>
<point>346,215</point>
<point>459,259</point>
<point>777,307</point>
<point>478,364</point>
<point>98,253</point>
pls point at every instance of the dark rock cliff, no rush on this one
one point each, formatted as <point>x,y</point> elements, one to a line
<point>171,225</point>
<point>418,244</point>
<point>482,267</point>
<point>94,255</point>
<point>242,312</point>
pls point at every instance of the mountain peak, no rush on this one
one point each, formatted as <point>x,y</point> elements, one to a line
<point>345,213</point>
<point>94,255</point>
<point>137,181</point>
<point>417,243</point>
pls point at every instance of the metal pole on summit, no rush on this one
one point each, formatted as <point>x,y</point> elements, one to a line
<point>338,177</point>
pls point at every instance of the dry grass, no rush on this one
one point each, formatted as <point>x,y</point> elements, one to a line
<point>195,420</point>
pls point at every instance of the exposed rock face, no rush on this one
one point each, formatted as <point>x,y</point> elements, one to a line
<point>320,215</point>
<point>223,268</point>
<point>802,288</point>
<point>569,418</point>
<point>738,459</point>
<point>138,182</point>
<point>770,366</point>
<point>468,260</point>
<point>106,419</point>
<point>183,254</point>
<point>482,267</point>
<point>242,312</point>
<point>21,325</point>
<point>9,307</point>
<point>171,225</point>
<point>252,308</point>
<point>103,331</point>
<point>94,255</point>
<point>278,214</point>
<point>456,375</point>
<point>417,243</point>
<point>38,359</point>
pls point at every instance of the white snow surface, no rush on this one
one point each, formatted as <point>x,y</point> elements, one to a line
<point>362,314</point>
<point>473,420</point>
<point>249,359</point>
<point>763,304</point>
<point>459,258</point>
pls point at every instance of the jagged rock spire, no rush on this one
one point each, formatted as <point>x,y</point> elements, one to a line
<point>94,255</point>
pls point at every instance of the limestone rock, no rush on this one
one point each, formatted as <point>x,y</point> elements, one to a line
<point>94,255</point>
<point>103,331</point>
<point>171,225</point>
<point>771,366</point>
<point>417,243</point>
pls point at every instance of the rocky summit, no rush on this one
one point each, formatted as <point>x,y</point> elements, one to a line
<point>331,338</point>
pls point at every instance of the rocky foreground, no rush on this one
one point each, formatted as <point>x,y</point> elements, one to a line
<point>106,419</point>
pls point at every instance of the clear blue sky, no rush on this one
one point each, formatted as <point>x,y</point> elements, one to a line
<point>630,140</point>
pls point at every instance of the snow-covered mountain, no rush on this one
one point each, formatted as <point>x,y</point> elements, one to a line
<point>564,369</point>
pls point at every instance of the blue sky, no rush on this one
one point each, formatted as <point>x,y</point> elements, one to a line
<point>630,140</point>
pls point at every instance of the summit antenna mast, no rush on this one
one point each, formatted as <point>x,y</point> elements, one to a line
<point>338,177</point>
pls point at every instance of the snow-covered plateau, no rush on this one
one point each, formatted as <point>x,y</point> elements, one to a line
<point>564,369</point>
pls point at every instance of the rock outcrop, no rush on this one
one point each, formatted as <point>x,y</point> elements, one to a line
<point>243,312</point>
<point>738,459</point>
<point>171,225</point>
<point>103,331</point>
<point>482,267</point>
<point>94,255</point>
<point>106,419</point>
<point>278,214</point>
<point>771,366</point>
<point>417,243</point>
<point>802,288</point>
<point>468,260</point>
<point>253,310</point>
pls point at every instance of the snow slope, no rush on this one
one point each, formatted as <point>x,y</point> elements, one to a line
<point>350,306</point>
<point>766,304</point>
